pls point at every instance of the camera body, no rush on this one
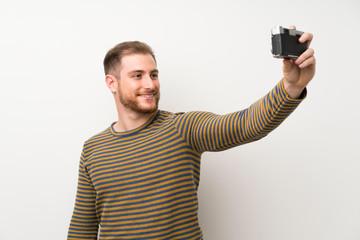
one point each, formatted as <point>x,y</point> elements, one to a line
<point>285,43</point>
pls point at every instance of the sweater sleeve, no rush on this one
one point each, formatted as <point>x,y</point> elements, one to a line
<point>84,222</point>
<point>205,131</point>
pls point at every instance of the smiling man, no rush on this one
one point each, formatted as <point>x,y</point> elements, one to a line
<point>138,179</point>
<point>139,89</point>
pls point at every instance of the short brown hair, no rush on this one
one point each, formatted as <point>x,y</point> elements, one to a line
<point>113,57</point>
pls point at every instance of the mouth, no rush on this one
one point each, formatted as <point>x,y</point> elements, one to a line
<point>147,95</point>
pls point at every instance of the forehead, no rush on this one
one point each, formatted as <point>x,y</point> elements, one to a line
<point>143,62</point>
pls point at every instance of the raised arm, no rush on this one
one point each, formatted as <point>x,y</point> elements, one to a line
<point>211,132</point>
<point>205,131</point>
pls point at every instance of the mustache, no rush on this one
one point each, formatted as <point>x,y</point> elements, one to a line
<point>155,92</point>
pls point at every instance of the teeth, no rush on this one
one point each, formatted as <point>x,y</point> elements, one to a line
<point>147,95</point>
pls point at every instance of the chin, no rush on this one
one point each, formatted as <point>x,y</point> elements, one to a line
<point>147,110</point>
<point>138,106</point>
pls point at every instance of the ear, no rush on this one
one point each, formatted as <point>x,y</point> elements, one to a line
<point>112,83</point>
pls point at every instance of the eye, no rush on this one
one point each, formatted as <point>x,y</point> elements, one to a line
<point>137,76</point>
<point>154,76</point>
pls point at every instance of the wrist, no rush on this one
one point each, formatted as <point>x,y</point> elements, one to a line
<point>292,90</point>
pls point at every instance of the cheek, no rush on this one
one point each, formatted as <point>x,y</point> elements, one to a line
<point>129,87</point>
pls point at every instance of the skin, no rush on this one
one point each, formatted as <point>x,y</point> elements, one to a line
<point>137,90</point>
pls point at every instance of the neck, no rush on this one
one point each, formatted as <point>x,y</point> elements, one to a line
<point>129,120</point>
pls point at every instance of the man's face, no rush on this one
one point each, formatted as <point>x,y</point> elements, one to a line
<point>139,87</point>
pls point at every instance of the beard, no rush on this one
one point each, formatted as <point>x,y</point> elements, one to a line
<point>131,102</point>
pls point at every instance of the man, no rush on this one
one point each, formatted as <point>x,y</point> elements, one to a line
<point>138,179</point>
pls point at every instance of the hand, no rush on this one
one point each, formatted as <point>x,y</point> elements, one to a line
<point>298,73</point>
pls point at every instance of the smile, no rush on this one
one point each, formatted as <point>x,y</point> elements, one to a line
<point>147,95</point>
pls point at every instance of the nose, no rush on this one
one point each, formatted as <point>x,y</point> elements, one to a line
<point>148,83</point>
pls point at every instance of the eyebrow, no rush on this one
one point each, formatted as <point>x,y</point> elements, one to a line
<point>142,71</point>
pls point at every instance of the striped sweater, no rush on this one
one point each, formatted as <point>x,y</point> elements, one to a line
<point>142,184</point>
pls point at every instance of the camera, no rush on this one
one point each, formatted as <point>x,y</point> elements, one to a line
<point>285,43</point>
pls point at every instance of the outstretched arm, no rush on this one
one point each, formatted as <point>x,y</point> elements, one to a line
<point>205,131</point>
<point>211,132</point>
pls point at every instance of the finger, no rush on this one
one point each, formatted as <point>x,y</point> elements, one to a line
<point>306,37</point>
<point>303,57</point>
<point>307,62</point>
<point>287,65</point>
<point>292,27</point>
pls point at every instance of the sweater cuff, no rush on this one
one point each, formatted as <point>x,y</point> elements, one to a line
<point>301,97</point>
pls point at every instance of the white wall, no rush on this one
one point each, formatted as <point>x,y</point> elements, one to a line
<point>301,182</point>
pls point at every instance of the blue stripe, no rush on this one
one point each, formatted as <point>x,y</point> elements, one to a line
<point>147,195</point>
<point>165,155</point>
<point>99,187</point>
<point>106,223</point>
<point>158,160</point>
<point>148,232</point>
<point>148,190</point>
<point>189,193</point>
<point>126,182</point>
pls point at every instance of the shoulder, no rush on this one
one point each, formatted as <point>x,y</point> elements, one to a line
<point>180,114</point>
<point>172,115</point>
<point>96,140</point>
<point>103,134</point>
<point>189,117</point>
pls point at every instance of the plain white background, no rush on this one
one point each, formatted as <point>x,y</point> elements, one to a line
<point>300,182</point>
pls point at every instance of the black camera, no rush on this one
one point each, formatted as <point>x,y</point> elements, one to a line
<point>285,43</point>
